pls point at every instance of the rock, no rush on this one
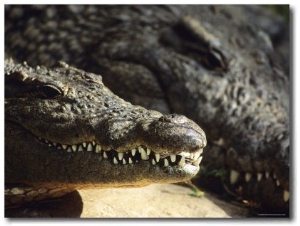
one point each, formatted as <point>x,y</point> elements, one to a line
<point>153,201</point>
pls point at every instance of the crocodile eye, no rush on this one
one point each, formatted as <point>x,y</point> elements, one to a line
<point>50,91</point>
<point>216,60</point>
<point>19,84</point>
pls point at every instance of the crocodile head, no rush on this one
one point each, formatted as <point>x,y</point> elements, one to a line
<point>65,130</point>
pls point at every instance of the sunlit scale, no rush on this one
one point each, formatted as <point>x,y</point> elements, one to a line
<point>135,155</point>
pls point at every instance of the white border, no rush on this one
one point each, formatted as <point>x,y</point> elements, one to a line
<point>295,114</point>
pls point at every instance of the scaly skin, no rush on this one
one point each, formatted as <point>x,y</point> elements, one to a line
<point>65,130</point>
<point>225,67</point>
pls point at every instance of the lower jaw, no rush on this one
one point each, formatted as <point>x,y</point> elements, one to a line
<point>266,195</point>
<point>262,188</point>
<point>20,193</point>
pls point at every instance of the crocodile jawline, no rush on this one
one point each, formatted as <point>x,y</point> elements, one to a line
<point>132,156</point>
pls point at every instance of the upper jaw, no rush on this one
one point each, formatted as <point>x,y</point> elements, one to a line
<point>131,156</point>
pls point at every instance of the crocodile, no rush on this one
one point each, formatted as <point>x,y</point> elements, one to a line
<point>65,130</point>
<point>224,67</point>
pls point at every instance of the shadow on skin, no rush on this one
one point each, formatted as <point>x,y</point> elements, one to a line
<point>70,205</point>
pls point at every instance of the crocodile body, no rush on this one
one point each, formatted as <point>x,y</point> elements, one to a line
<point>225,67</point>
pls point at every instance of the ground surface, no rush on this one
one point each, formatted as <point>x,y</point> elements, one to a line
<point>153,201</point>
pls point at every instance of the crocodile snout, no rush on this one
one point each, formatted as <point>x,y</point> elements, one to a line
<point>176,133</point>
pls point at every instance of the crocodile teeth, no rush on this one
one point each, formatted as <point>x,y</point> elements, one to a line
<point>166,163</point>
<point>120,155</point>
<point>80,148</point>
<point>98,148</point>
<point>74,147</point>
<point>129,160</point>
<point>105,155</point>
<point>144,155</point>
<point>221,141</point>
<point>286,195</point>
<point>192,155</point>
<point>133,151</point>
<point>153,162</point>
<point>197,162</point>
<point>89,147</point>
<point>173,158</point>
<point>234,175</point>
<point>196,155</point>
<point>259,176</point>
<point>148,151</point>
<point>115,160</point>
<point>182,161</point>
<point>248,177</point>
<point>186,154</point>
<point>267,175</point>
<point>157,157</point>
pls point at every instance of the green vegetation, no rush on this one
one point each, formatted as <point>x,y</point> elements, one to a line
<point>282,10</point>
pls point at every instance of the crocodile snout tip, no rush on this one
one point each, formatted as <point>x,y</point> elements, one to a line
<point>176,133</point>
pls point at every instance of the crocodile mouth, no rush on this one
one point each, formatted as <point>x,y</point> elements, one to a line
<point>236,179</point>
<point>133,156</point>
